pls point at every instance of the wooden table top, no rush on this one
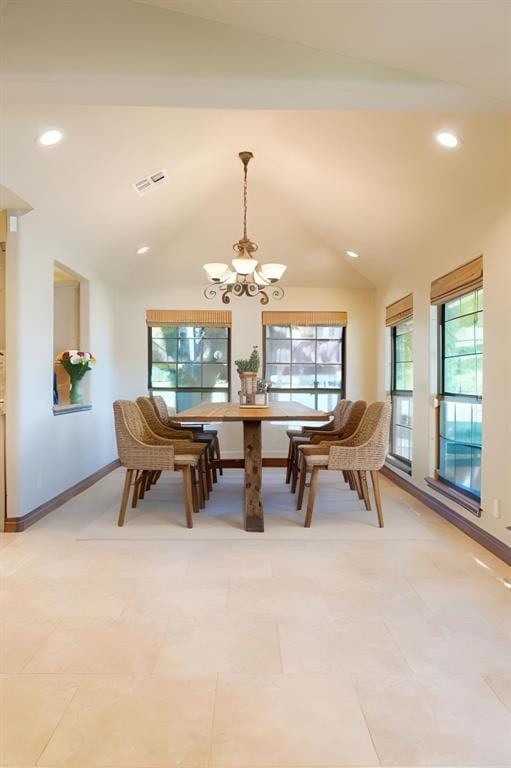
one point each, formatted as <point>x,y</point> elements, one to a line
<point>276,411</point>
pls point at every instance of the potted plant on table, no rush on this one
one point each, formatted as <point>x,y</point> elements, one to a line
<point>76,364</point>
<point>247,371</point>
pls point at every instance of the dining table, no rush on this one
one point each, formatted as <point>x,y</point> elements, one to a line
<point>252,418</point>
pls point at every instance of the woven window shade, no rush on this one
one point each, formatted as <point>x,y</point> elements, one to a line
<point>399,310</point>
<point>195,317</point>
<point>305,318</point>
<point>462,280</point>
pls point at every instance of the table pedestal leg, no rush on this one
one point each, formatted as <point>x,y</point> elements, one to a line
<point>253,509</point>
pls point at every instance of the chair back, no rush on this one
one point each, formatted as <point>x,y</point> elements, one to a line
<point>352,418</point>
<point>136,445</point>
<point>367,448</point>
<point>340,411</point>
<point>136,423</point>
<point>122,436</point>
<point>368,424</point>
<point>160,408</point>
<point>374,428</point>
<point>381,436</point>
<point>149,413</point>
<point>129,430</point>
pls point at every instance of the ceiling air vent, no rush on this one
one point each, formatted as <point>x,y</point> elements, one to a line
<point>143,186</point>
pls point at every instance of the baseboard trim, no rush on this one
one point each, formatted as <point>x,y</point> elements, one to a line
<point>17,524</point>
<point>485,539</point>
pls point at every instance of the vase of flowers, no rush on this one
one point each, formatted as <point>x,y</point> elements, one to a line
<point>76,364</point>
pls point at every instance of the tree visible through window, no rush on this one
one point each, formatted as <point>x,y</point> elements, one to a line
<point>189,365</point>
<point>305,363</point>
<point>461,383</point>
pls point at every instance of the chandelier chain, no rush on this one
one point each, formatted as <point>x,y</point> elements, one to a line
<point>245,185</point>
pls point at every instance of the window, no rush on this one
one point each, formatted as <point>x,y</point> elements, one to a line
<point>461,391</point>
<point>402,391</point>
<point>304,363</point>
<point>189,364</point>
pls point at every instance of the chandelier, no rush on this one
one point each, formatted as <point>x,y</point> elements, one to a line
<point>246,276</point>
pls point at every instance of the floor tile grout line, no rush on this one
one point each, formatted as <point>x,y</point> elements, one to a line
<point>58,622</point>
<point>354,686</point>
<point>385,620</point>
<point>160,646</point>
<point>487,684</point>
<point>213,714</point>
<point>277,630</point>
<point>54,730</point>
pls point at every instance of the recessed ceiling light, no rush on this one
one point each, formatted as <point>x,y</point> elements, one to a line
<point>143,249</point>
<point>352,254</point>
<point>448,139</point>
<point>50,138</point>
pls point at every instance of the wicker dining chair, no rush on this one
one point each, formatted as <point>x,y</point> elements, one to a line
<point>156,426</point>
<point>363,452</point>
<point>143,454</point>
<point>350,420</point>
<point>209,436</point>
<point>294,435</point>
<point>305,436</point>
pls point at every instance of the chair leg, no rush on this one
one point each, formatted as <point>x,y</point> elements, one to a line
<point>217,452</point>
<point>295,469</point>
<point>212,453</point>
<point>312,497</point>
<point>204,475</point>
<point>125,496</point>
<point>365,489</point>
<point>200,485</point>
<point>141,485</point>
<point>188,495</point>
<point>209,476</point>
<point>289,461</point>
<point>358,485</point>
<point>303,481</point>
<point>376,487</point>
<point>195,494</point>
<point>351,482</point>
<point>136,489</point>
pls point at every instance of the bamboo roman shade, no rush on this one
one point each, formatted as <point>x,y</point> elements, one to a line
<point>462,280</point>
<point>305,318</point>
<point>194,317</point>
<point>399,310</point>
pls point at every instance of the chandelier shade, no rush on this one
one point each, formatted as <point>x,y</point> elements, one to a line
<point>244,265</point>
<point>247,277</point>
<point>273,272</point>
<point>216,271</point>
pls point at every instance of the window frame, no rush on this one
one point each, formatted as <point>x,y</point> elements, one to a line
<point>341,392</point>
<point>192,390</point>
<point>400,461</point>
<point>443,397</point>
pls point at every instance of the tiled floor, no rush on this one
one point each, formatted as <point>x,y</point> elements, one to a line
<point>342,645</point>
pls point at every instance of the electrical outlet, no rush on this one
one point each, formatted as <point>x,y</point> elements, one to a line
<point>496,508</point>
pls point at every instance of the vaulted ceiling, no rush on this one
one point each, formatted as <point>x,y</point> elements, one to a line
<point>183,86</point>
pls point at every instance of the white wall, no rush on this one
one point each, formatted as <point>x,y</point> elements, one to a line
<point>47,454</point>
<point>247,331</point>
<point>487,233</point>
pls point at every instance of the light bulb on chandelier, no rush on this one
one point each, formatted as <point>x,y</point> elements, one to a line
<point>249,277</point>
